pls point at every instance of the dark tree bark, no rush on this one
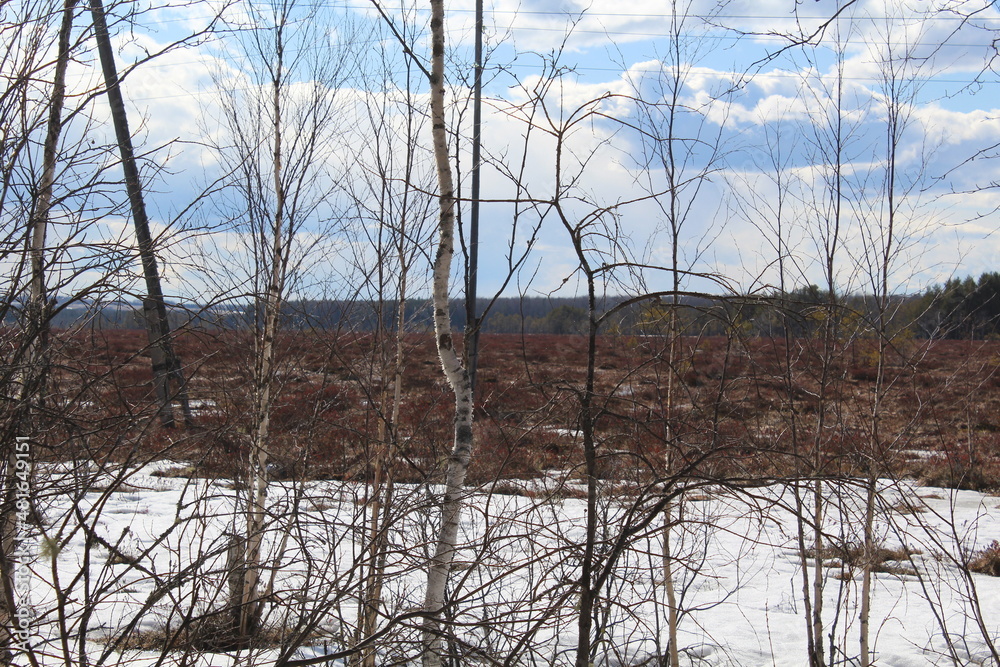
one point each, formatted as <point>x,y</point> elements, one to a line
<point>166,365</point>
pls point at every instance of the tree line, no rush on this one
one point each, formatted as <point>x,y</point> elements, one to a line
<point>960,308</point>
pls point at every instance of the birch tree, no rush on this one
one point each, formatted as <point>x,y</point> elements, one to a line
<point>393,216</point>
<point>681,152</point>
<point>280,117</point>
<point>833,143</point>
<point>455,371</point>
<point>890,222</point>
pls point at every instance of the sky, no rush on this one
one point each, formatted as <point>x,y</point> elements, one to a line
<point>762,105</point>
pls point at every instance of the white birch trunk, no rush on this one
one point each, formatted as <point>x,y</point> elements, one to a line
<point>258,459</point>
<point>382,484</point>
<point>455,372</point>
<point>249,596</point>
<point>668,570</point>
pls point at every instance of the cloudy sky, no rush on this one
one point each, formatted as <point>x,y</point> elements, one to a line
<point>797,130</point>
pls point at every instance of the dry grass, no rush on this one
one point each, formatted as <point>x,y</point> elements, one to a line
<point>206,634</point>
<point>987,561</point>
<point>853,557</point>
<point>733,400</point>
<point>174,472</point>
<point>907,507</point>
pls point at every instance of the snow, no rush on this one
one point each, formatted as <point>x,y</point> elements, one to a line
<point>737,570</point>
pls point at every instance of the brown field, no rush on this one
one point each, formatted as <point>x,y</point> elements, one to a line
<point>735,413</point>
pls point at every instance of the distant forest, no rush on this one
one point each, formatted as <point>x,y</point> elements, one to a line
<point>960,309</point>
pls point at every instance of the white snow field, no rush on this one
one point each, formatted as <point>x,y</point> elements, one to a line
<point>136,558</point>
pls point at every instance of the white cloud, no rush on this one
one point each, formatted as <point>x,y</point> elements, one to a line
<point>176,97</point>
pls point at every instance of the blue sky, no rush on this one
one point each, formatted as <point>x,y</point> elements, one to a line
<point>748,99</point>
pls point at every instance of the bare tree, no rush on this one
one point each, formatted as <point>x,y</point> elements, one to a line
<point>889,224</point>
<point>581,135</point>
<point>281,213</point>
<point>35,322</point>
<point>393,215</point>
<point>832,140</point>
<point>681,152</point>
<point>455,371</point>
<point>166,366</point>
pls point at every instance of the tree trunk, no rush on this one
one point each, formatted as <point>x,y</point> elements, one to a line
<point>38,304</point>
<point>472,323</point>
<point>166,365</point>
<point>257,480</point>
<point>35,332</point>
<point>588,592</point>
<point>670,589</point>
<point>383,484</point>
<point>455,372</point>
